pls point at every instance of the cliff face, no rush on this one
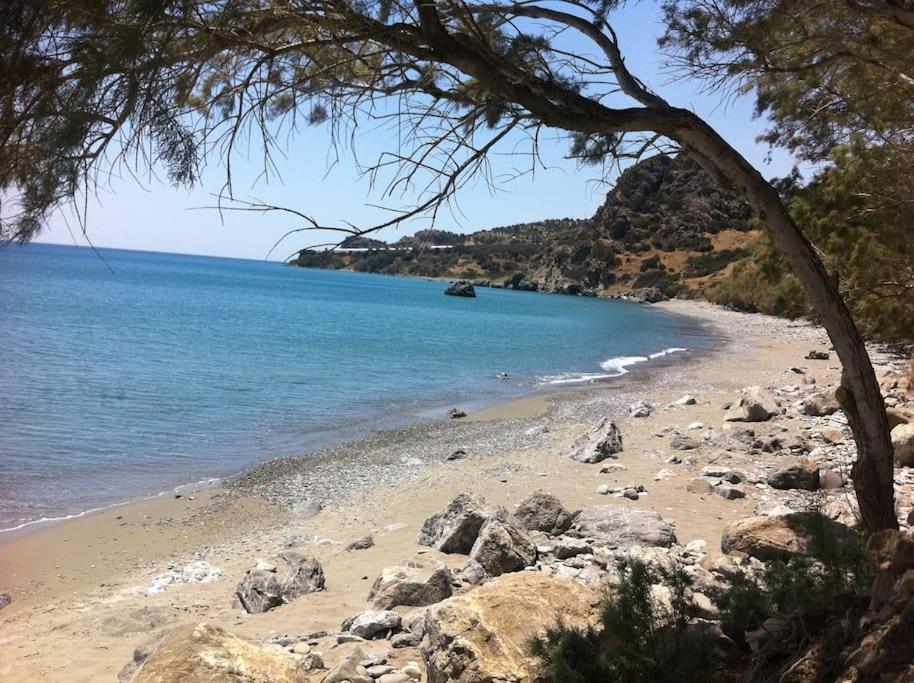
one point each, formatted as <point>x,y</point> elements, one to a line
<point>664,225</point>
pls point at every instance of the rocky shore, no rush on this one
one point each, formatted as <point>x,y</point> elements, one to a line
<point>436,552</point>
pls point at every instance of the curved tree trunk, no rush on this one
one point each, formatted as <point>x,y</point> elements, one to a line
<point>859,393</point>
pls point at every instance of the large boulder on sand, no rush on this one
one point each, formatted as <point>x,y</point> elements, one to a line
<point>414,585</point>
<point>903,445</point>
<point>483,636</point>
<point>373,623</point>
<point>621,527</point>
<point>754,405</point>
<point>502,547</point>
<point>801,474</point>
<point>270,584</point>
<point>454,529</point>
<point>543,512</point>
<point>212,654</point>
<point>820,404</point>
<point>779,537</point>
<point>601,442</point>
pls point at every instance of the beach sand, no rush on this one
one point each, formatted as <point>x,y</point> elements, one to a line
<point>80,588</point>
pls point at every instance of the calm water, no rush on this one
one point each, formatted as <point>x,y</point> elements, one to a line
<point>177,368</point>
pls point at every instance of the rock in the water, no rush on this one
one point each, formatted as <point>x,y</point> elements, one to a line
<point>291,575</point>
<point>754,405</point>
<point>502,547</point>
<point>461,288</point>
<point>543,512</point>
<point>484,635</point>
<point>349,669</point>
<point>413,585</point>
<point>601,442</point>
<point>777,538</point>
<point>454,529</point>
<point>802,475</point>
<point>456,413</point>
<point>363,543</point>
<point>903,445</point>
<point>374,623</point>
<point>622,527</point>
<point>209,653</point>
<point>820,404</point>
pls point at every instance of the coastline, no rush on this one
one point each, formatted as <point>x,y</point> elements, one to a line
<point>80,588</point>
<point>528,394</point>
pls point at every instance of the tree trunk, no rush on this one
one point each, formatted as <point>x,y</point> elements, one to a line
<point>858,393</point>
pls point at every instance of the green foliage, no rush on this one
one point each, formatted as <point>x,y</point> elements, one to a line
<point>863,233</point>
<point>640,638</point>
<point>705,264</point>
<point>835,567</point>
<point>668,283</point>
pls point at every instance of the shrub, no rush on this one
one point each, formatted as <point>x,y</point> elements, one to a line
<point>640,638</point>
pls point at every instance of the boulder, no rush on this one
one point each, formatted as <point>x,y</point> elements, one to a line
<point>454,529</point>
<point>729,492</point>
<point>363,543</point>
<point>684,443</point>
<point>502,547</point>
<point>903,445</point>
<point>5,600</point>
<point>483,636</point>
<point>543,512</point>
<point>647,295</point>
<point>802,475</point>
<point>621,527</point>
<point>702,486</point>
<point>349,669</point>
<point>461,288</point>
<point>820,404</point>
<point>897,416</point>
<point>374,623</point>
<point>210,653</point>
<point>777,538</point>
<point>456,413</point>
<point>817,355</point>
<point>271,584</point>
<point>601,442</point>
<point>754,405</point>
<point>412,585</point>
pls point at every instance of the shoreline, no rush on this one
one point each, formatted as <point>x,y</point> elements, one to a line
<point>81,597</point>
<point>531,397</point>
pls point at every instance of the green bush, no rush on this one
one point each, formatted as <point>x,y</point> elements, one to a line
<point>712,262</point>
<point>640,638</point>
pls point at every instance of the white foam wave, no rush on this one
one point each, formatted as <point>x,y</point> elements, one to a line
<point>614,367</point>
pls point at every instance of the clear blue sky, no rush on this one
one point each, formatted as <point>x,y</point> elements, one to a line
<point>158,217</point>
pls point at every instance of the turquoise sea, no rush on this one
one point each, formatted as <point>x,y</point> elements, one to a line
<point>177,368</point>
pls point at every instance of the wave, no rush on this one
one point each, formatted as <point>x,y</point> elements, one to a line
<point>614,367</point>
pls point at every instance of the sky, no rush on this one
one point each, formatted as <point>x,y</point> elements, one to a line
<point>155,216</point>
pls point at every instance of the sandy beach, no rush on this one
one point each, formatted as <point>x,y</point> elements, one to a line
<point>87,591</point>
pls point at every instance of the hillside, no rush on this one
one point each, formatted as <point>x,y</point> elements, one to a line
<point>665,224</point>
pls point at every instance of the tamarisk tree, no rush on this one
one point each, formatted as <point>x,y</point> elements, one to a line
<point>91,86</point>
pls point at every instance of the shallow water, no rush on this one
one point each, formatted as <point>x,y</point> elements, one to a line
<point>177,368</point>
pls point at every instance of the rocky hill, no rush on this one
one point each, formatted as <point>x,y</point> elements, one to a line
<point>665,226</point>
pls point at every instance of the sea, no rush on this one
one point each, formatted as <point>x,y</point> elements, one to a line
<point>124,374</point>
